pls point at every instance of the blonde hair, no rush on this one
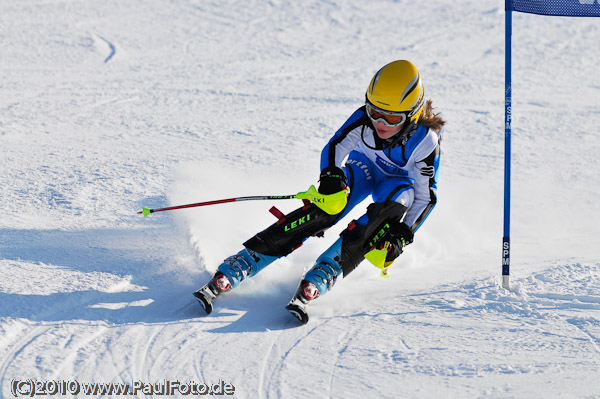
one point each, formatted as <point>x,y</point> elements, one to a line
<point>430,119</point>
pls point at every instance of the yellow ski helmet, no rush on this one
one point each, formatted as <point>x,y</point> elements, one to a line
<point>397,88</point>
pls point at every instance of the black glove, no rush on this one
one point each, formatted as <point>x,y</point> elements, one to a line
<point>399,236</point>
<point>332,180</point>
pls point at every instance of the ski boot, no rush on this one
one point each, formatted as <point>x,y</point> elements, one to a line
<point>230,274</point>
<point>297,306</point>
<point>344,255</point>
<point>316,281</point>
<point>276,241</point>
<point>215,287</point>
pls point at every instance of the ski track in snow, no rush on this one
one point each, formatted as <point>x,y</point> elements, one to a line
<point>115,105</point>
<point>111,49</point>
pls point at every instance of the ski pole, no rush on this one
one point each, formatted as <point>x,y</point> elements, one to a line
<point>330,203</point>
<point>146,211</point>
<point>377,258</point>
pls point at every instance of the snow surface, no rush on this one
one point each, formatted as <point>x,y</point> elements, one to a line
<point>108,106</point>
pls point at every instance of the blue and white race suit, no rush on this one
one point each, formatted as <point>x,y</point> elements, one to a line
<point>402,169</point>
<point>406,173</point>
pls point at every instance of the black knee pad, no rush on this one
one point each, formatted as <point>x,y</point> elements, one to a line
<point>289,233</point>
<point>357,239</point>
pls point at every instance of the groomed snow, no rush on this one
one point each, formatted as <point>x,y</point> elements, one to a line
<point>108,106</point>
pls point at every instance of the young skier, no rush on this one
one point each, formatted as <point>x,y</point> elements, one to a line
<point>392,146</point>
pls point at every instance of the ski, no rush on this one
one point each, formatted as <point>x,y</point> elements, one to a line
<point>206,298</point>
<point>298,310</point>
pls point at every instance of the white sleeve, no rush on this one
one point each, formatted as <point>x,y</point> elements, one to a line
<point>426,163</point>
<point>344,147</point>
<point>344,140</point>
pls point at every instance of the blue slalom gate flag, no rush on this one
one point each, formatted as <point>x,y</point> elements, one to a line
<point>561,8</point>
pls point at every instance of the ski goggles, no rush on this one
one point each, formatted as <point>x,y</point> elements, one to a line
<point>389,118</point>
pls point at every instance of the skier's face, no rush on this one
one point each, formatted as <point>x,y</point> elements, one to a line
<point>384,131</point>
<point>386,123</point>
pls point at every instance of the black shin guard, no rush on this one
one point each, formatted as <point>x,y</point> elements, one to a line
<point>357,239</point>
<point>281,238</point>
